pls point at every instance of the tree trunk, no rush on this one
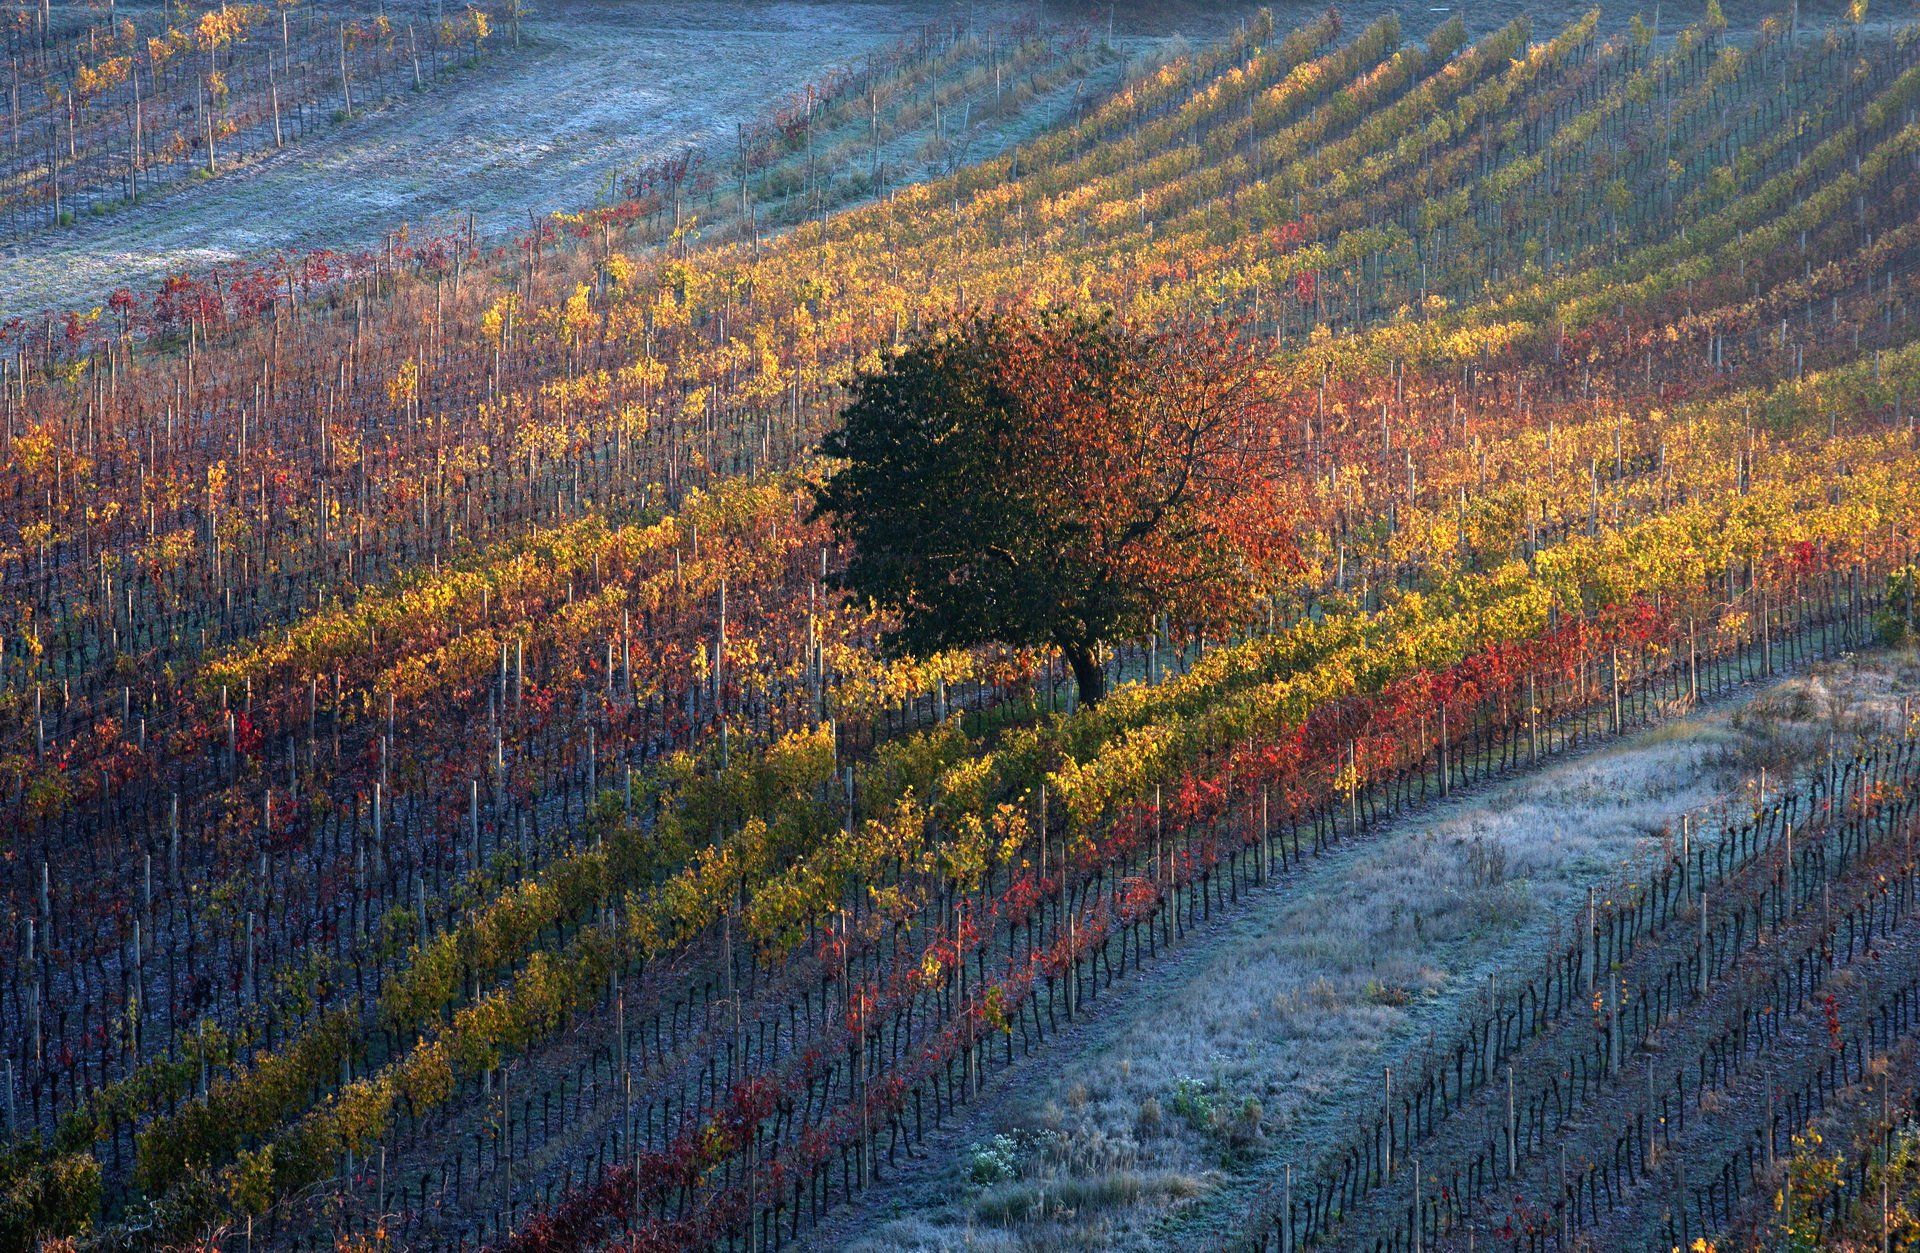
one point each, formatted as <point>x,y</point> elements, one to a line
<point>1088,673</point>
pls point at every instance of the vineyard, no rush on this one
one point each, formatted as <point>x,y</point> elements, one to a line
<point>453,801</point>
<point>100,116</point>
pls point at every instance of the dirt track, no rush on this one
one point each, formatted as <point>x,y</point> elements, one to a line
<point>597,87</point>
<point>1282,999</point>
<point>600,87</point>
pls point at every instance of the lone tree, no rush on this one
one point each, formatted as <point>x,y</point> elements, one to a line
<point>1058,480</point>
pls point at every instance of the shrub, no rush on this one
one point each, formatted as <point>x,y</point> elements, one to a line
<point>996,1161</point>
<point>41,1198</point>
<point>1194,1102</point>
<point>1896,624</point>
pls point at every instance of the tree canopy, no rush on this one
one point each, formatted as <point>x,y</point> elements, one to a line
<point>1057,479</point>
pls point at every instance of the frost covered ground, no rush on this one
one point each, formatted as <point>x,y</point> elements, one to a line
<point>1284,1015</point>
<point>596,88</point>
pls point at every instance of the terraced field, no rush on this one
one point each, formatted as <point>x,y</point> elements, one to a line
<point>455,802</point>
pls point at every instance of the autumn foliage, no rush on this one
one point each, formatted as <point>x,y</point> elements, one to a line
<point>1059,479</point>
<point>436,726</point>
